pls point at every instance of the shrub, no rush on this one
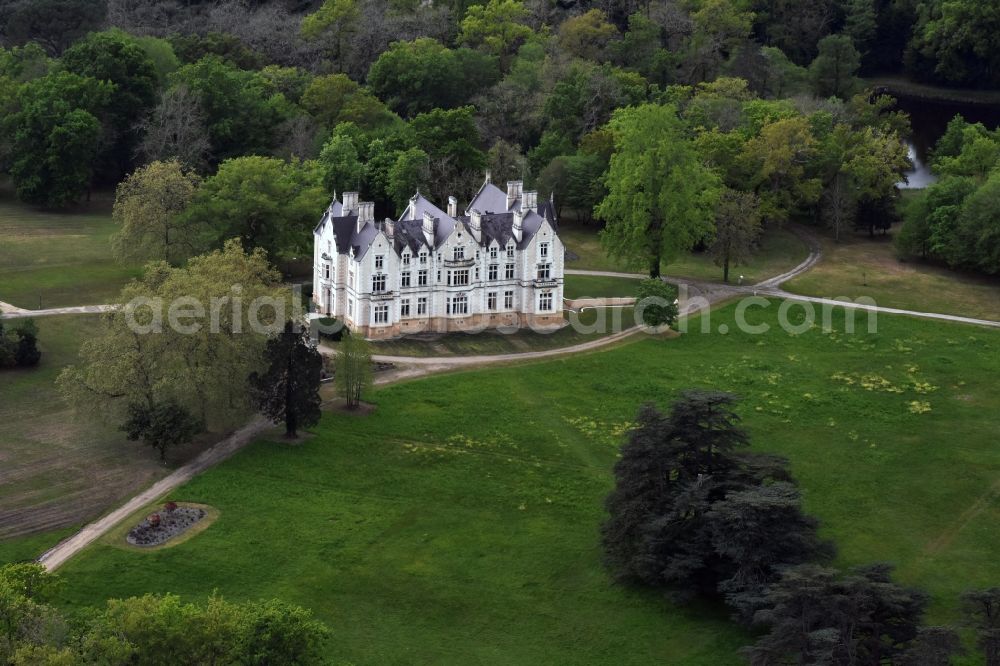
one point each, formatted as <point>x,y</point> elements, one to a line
<point>660,306</point>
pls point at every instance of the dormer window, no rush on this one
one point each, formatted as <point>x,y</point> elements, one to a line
<point>493,252</point>
<point>423,257</point>
<point>406,258</point>
<point>510,251</point>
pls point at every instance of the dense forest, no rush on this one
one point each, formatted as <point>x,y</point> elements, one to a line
<point>249,115</point>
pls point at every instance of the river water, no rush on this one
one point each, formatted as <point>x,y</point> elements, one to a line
<point>929,120</point>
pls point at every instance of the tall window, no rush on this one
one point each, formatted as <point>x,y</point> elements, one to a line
<point>459,253</point>
<point>423,257</point>
<point>378,283</point>
<point>508,300</point>
<point>326,271</point>
<point>381,314</point>
<point>494,271</point>
<point>543,250</point>
<point>379,262</point>
<point>404,279</point>
<point>350,278</point>
<point>491,300</point>
<point>544,271</point>
<point>350,307</point>
<point>459,278</point>
<point>509,272</point>
<point>422,305</point>
<point>422,277</point>
<point>458,304</point>
<point>404,308</point>
<point>406,258</point>
<point>510,250</point>
<point>493,253</point>
<point>545,301</point>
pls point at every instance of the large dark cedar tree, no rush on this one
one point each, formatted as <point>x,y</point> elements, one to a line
<point>817,616</point>
<point>694,514</point>
<point>288,390</point>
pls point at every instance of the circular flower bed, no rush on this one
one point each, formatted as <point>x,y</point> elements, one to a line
<point>164,525</point>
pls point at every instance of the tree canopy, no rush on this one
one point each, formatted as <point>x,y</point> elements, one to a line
<point>661,198</point>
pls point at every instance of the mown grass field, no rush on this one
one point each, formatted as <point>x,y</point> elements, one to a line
<point>599,286</point>
<point>54,259</point>
<point>780,250</point>
<point>458,522</point>
<point>57,468</point>
<point>861,266</point>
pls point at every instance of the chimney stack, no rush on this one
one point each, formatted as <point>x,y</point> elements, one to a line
<point>513,192</point>
<point>428,228</point>
<point>518,227</point>
<point>390,228</point>
<point>476,224</point>
<point>529,201</point>
<point>489,176</point>
<point>366,214</point>
<point>350,201</point>
<point>452,207</point>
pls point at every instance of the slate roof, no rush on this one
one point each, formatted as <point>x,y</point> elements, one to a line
<point>496,223</point>
<point>489,199</point>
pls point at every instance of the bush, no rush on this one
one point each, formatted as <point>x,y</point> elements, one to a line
<point>660,307</point>
<point>331,328</point>
<point>19,348</point>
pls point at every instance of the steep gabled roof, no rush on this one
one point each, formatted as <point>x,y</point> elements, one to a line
<point>409,233</point>
<point>489,199</point>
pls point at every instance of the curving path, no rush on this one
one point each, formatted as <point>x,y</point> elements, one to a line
<point>55,557</point>
<point>700,296</point>
<point>8,311</point>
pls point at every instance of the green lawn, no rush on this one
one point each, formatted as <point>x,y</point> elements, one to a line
<point>53,259</point>
<point>779,251</point>
<point>590,324</point>
<point>862,266</point>
<point>599,286</point>
<point>57,469</point>
<point>458,522</point>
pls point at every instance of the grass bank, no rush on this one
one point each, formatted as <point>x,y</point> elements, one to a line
<point>457,523</point>
<point>861,266</point>
<point>54,259</point>
<point>58,468</point>
<point>780,250</point>
<point>587,326</point>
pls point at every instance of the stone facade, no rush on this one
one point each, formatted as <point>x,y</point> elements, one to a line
<point>498,265</point>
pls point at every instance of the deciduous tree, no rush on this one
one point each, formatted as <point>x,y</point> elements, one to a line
<point>162,425</point>
<point>264,201</point>
<point>115,57</point>
<point>56,137</point>
<point>499,27</point>
<point>183,335</point>
<point>737,227</point>
<point>149,206</point>
<point>353,375</point>
<point>176,129</point>
<point>661,198</point>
